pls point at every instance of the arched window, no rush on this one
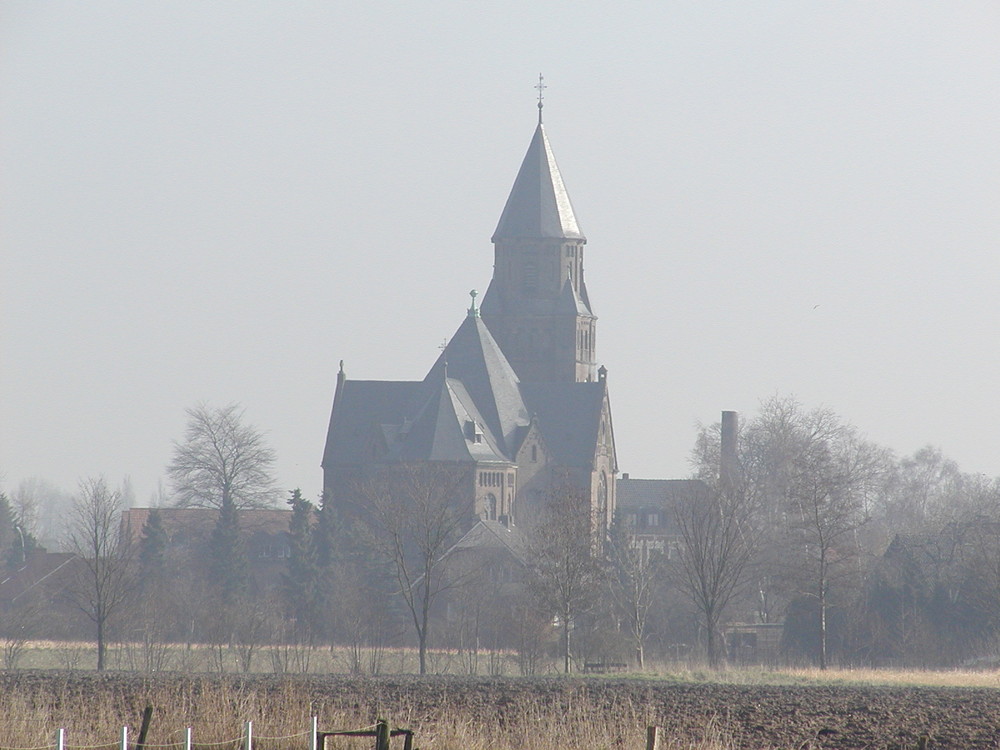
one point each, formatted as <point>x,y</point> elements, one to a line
<point>602,505</point>
<point>490,511</point>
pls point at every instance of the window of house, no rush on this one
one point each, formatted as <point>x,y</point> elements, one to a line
<point>652,519</point>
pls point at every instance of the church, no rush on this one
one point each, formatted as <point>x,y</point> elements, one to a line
<point>515,407</point>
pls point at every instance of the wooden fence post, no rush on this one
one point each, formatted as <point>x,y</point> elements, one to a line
<point>248,736</point>
<point>314,735</point>
<point>60,739</point>
<point>187,739</point>
<point>124,743</point>
<point>653,738</point>
<point>382,735</point>
<point>147,717</point>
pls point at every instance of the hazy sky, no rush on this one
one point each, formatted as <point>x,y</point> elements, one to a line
<point>208,201</point>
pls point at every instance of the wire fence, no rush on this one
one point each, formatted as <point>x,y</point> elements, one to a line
<point>246,741</point>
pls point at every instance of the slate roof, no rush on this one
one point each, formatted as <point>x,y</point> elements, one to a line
<point>492,535</point>
<point>570,302</point>
<point>473,357</point>
<point>360,406</point>
<point>471,382</point>
<point>41,569</point>
<point>538,205</point>
<point>569,417</point>
<point>636,494</point>
<point>439,431</point>
<point>470,389</point>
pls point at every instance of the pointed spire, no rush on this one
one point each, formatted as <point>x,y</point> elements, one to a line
<point>538,206</point>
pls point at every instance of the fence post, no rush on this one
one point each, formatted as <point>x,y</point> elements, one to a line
<point>382,735</point>
<point>187,739</point>
<point>248,736</point>
<point>60,739</point>
<point>314,736</point>
<point>124,742</point>
<point>147,717</point>
<point>652,738</point>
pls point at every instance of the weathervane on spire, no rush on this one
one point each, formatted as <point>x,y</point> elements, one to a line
<point>541,87</point>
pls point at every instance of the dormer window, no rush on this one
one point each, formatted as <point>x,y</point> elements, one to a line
<point>473,432</point>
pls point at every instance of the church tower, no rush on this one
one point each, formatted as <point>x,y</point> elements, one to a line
<point>537,306</point>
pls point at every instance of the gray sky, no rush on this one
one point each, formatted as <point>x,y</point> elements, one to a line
<point>218,201</point>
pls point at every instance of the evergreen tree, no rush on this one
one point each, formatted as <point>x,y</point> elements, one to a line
<point>325,533</point>
<point>301,582</point>
<point>228,557</point>
<point>152,546</point>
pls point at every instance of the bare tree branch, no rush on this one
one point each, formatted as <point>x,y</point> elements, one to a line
<point>222,461</point>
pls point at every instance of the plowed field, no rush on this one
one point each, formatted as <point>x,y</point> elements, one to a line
<point>551,712</point>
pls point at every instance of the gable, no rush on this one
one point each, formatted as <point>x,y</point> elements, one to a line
<point>360,407</point>
<point>569,418</point>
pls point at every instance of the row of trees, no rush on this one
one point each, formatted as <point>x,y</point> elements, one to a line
<point>797,534</point>
<point>801,535</point>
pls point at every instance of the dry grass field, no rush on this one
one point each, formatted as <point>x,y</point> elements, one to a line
<point>835,710</point>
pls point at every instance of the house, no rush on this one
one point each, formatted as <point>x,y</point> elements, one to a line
<point>647,512</point>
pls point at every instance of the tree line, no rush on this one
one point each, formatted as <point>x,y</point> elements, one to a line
<point>856,555</point>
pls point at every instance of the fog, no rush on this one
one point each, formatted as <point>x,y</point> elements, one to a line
<point>219,202</point>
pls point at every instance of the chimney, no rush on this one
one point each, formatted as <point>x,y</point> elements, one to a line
<point>728,463</point>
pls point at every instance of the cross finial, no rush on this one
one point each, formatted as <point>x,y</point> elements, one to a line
<point>541,87</point>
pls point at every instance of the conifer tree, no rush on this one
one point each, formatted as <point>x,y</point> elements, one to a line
<point>152,546</point>
<point>228,558</point>
<point>301,582</point>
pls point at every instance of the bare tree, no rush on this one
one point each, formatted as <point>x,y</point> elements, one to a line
<point>564,556</point>
<point>836,476</point>
<point>414,514</point>
<point>222,461</point>
<point>105,578</point>
<point>637,571</point>
<point>39,509</point>
<point>720,540</point>
<point>811,483</point>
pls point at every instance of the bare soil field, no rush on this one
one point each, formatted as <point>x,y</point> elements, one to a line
<point>522,713</point>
